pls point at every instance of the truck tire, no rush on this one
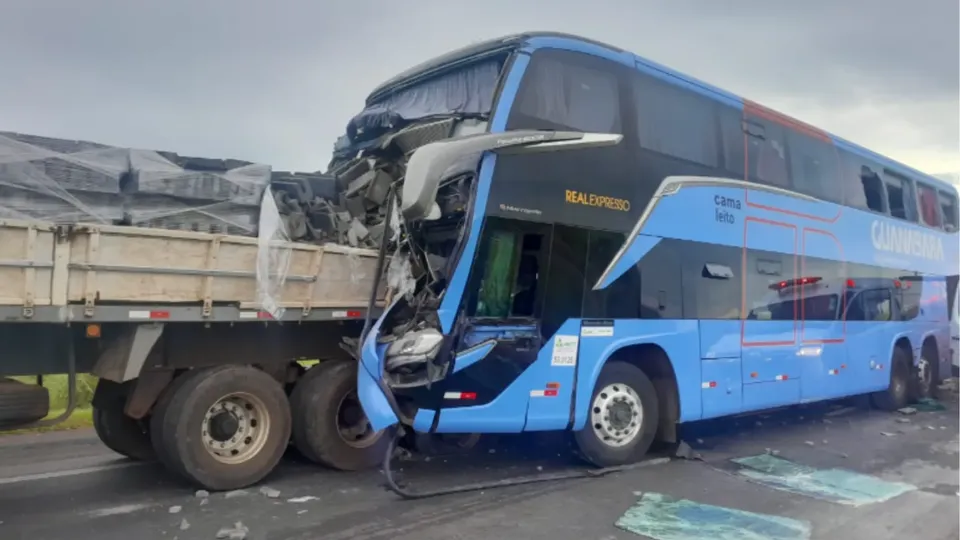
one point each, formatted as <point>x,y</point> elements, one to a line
<point>897,394</point>
<point>22,403</point>
<point>623,417</point>
<point>223,428</point>
<point>122,434</point>
<point>329,426</point>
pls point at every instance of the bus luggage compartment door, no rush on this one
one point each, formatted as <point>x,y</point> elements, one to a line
<point>771,370</point>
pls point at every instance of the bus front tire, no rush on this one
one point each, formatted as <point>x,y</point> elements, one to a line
<point>329,427</point>
<point>222,428</point>
<point>623,417</point>
<point>897,394</point>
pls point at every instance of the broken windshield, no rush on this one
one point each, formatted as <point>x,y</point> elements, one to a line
<point>468,91</point>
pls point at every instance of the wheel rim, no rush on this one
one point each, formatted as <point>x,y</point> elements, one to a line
<point>352,425</point>
<point>236,428</point>
<point>616,415</point>
<point>924,374</point>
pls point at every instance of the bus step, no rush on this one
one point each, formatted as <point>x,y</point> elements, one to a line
<point>411,494</point>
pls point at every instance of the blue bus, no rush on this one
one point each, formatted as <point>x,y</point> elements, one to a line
<point>593,242</point>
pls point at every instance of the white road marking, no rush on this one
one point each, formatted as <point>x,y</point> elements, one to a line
<point>63,474</point>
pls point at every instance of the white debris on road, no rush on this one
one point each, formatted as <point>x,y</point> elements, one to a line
<point>237,532</point>
<point>305,498</point>
<point>175,509</point>
<point>269,492</point>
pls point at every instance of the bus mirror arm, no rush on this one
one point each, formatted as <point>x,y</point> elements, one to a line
<point>427,165</point>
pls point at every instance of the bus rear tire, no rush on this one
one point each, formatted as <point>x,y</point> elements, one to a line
<point>623,417</point>
<point>222,428</point>
<point>897,394</point>
<point>329,427</point>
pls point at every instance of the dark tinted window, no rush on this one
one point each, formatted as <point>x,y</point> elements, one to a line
<point>732,139</point>
<point>877,305</point>
<point>565,277</point>
<point>621,299</point>
<point>563,90</point>
<point>948,205</point>
<point>712,281</point>
<point>816,167</point>
<point>766,151</point>
<point>675,121</point>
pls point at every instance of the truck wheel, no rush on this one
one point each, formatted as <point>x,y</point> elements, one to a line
<point>22,403</point>
<point>623,417</point>
<point>223,428</point>
<point>329,426</point>
<point>897,394</point>
<point>122,434</point>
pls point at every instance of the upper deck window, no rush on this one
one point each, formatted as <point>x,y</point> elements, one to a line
<point>816,167</point>
<point>929,205</point>
<point>675,121</point>
<point>560,92</point>
<point>948,205</point>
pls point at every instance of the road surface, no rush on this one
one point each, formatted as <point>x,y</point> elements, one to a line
<point>67,486</point>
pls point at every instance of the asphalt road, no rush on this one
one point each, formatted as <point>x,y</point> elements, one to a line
<point>67,486</point>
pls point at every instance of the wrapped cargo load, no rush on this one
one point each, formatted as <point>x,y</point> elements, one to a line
<point>166,190</point>
<point>59,180</point>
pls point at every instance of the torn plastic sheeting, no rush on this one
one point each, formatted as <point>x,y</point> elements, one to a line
<point>165,212</point>
<point>661,517</point>
<point>60,180</point>
<point>273,256</point>
<point>835,485</point>
<point>400,276</point>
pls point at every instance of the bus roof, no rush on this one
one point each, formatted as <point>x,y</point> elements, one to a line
<point>502,45</point>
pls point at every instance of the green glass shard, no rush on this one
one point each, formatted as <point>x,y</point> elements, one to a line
<point>835,485</point>
<point>661,517</point>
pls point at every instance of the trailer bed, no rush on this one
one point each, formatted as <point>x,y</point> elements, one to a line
<point>53,273</point>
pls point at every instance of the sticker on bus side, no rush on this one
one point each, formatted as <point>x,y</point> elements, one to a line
<point>596,328</point>
<point>565,350</point>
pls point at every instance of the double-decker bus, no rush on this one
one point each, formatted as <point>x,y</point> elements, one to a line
<point>596,243</point>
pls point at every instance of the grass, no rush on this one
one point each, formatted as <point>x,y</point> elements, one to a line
<point>82,416</point>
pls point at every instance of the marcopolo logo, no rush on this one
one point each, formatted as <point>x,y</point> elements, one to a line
<point>906,241</point>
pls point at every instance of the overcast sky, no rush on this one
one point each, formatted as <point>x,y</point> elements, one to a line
<point>276,81</point>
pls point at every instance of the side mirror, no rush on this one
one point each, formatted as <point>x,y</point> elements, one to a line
<point>427,165</point>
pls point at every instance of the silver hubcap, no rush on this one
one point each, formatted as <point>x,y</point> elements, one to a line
<point>924,373</point>
<point>236,428</point>
<point>616,415</point>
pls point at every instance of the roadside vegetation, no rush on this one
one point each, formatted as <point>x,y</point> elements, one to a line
<point>82,416</point>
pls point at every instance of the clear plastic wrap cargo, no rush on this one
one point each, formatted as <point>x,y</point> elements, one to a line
<point>166,190</point>
<point>58,180</point>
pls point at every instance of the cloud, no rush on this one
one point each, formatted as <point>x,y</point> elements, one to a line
<point>276,82</point>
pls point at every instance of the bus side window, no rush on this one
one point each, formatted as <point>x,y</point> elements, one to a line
<point>766,150</point>
<point>559,91</point>
<point>816,167</point>
<point>929,205</point>
<point>862,186</point>
<point>877,305</point>
<point>948,205</point>
<point>900,197</point>
<point>675,121</point>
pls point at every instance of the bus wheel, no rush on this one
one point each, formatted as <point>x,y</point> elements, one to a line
<point>329,426</point>
<point>897,394</point>
<point>925,376</point>
<point>223,428</point>
<point>623,416</point>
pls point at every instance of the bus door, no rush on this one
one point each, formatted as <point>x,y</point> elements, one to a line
<point>500,338</point>
<point>770,365</point>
